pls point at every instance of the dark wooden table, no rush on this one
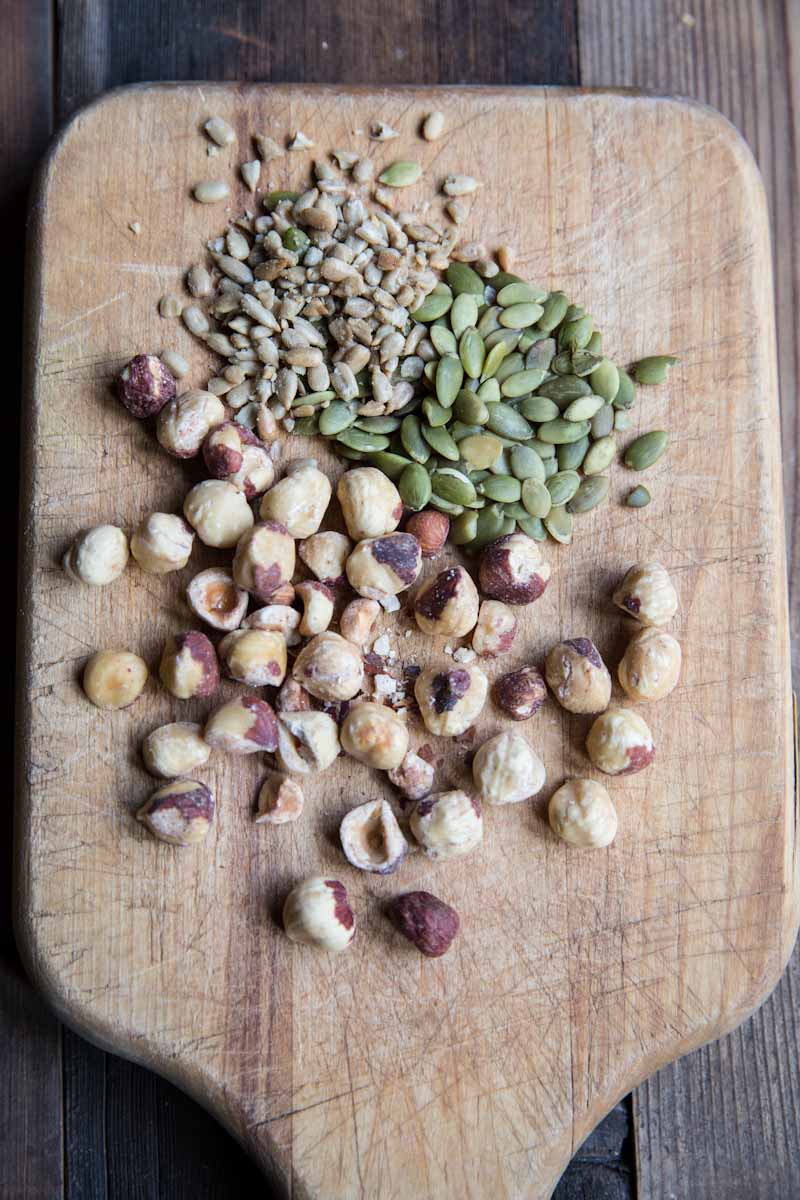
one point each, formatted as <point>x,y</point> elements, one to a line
<point>78,1123</point>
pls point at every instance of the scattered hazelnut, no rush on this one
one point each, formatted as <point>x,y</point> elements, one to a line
<point>578,677</point>
<point>650,666</point>
<point>232,452</point>
<point>447,604</point>
<point>97,556</point>
<point>113,679</point>
<point>325,555</point>
<point>357,622</point>
<point>581,812</point>
<point>370,503</point>
<point>375,735</point>
<point>264,559</point>
<point>184,423</point>
<point>426,921</point>
<point>180,812</point>
<point>447,824</point>
<point>317,600</point>
<point>172,750</point>
<point>430,528</point>
<point>413,778</point>
<point>281,803</point>
<point>620,742</point>
<point>496,629</point>
<point>299,501</point>
<point>145,385</point>
<point>218,512</point>
<point>308,742</point>
<point>330,668</point>
<point>292,698</point>
<point>245,725</point>
<point>383,566</point>
<point>279,618</point>
<point>520,694</point>
<point>371,838</point>
<point>450,701</point>
<point>513,569</point>
<point>507,770</point>
<point>189,666</point>
<point>256,657</point>
<point>647,594</point>
<point>318,913</point>
<point>162,543</point>
<point>214,597</point>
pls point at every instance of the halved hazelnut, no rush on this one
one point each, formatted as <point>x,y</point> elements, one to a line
<point>413,778</point>
<point>371,838</point>
<point>357,622</point>
<point>232,452</point>
<point>495,630</point>
<point>214,597</point>
<point>325,555</point>
<point>308,742</point>
<point>279,802</point>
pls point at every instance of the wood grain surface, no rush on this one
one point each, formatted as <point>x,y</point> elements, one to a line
<point>577,974</point>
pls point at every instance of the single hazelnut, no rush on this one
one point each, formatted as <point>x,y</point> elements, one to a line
<point>357,622</point>
<point>145,385</point>
<point>496,629</point>
<point>173,750</point>
<point>520,694</point>
<point>308,742</point>
<point>430,528</point>
<point>427,922</point>
<point>447,824</point>
<point>318,913</point>
<point>581,812</point>
<point>383,566</point>
<point>375,735</point>
<point>245,725</point>
<point>180,812</point>
<point>513,569</point>
<point>292,698</point>
<point>277,618</point>
<point>264,559</point>
<point>651,665</point>
<point>184,423</point>
<point>256,657</point>
<point>330,668</point>
<point>232,452</point>
<point>447,604</point>
<point>218,512</point>
<point>647,594</point>
<point>577,676</point>
<point>413,778</point>
<point>189,666</point>
<point>97,556</point>
<point>317,601</point>
<point>299,501</point>
<point>113,679</point>
<point>325,555</point>
<point>162,543</point>
<point>506,770</point>
<point>450,701</point>
<point>371,838</point>
<point>620,742</point>
<point>370,503</point>
<point>214,597</point>
<point>279,802</point>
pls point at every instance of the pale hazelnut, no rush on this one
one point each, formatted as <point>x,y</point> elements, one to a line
<point>413,778</point>
<point>357,622</point>
<point>97,556</point>
<point>308,742</point>
<point>162,543</point>
<point>430,528</point>
<point>189,666</point>
<point>520,694</point>
<point>180,812</point>
<point>447,604</point>
<point>113,679</point>
<point>318,913</point>
<point>279,618</point>
<point>513,569</point>
<point>317,601</point>
<point>145,385</point>
<point>370,503</point>
<point>381,567</point>
<point>283,595</point>
<point>256,657</point>
<point>620,742</point>
<point>292,698</point>
<point>447,824</point>
<point>375,735</point>
<point>298,502</point>
<point>371,838</point>
<point>264,559</point>
<point>506,770</point>
<point>330,668</point>
<point>185,422</point>
<point>279,802</point>
<point>496,629</point>
<point>173,750</point>
<point>578,677</point>
<point>232,452</point>
<point>427,922</point>
<point>214,597</point>
<point>325,555</point>
<point>647,594</point>
<point>218,512</point>
<point>246,725</point>
<point>581,812</point>
<point>651,665</point>
<point>450,701</point>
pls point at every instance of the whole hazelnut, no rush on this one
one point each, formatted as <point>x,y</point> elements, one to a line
<point>184,423</point>
<point>245,725</point>
<point>520,694</point>
<point>447,604</point>
<point>357,622</point>
<point>299,501</point>
<point>651,665</point>
<point>172,750</point>
<point>450,701</point>
<point>647,594</point>
<point>317,601</point>
<point>318,913</point>
<point>578,677</point>
<point>218,512</point>
<point>496,629</point>
<point>162,543</point>
<point>214,597</point>
<point>370,503</point>
<point>581,812</point>
<point>413,778</point>
<point>97,556</point>
<point>292,698</point>
<point>430,528</point>
<point>330,668</point>
<point>513,569</point>
<point>279,803</point>
<point>256,657</point>
<point>180,812</point>
<point>264,559</point>
<point>383,566</point>
<point>447,824</point>
<point>189,666</point>
<point>427,922</point>
<point>232,452</point>
<point>375,735</point>
<point>113,679</point>
<point>620,742</point>
<point>371,838</point>
<point>506,770</point>
<point>145,385</point>
<point>308,742</point>
<point>325,555</point>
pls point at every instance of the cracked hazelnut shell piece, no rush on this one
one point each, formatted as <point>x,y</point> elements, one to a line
<point>427,922</point>
<point>582,813</point>
<point>180,812</point>
<point>317,912</point>
<point>413,778</point>
<point>496,629</point>
<point>279,802</point>
<point>371,838</point>
<point>325,555</point>
<point>308,741</point>
<point>620,742</point>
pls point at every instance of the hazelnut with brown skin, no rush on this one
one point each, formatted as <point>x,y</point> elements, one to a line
<point>317,912</point>
<point>255,657</point>
<point>431,529</point>
<point>413,778</point>
<point>325,555</point>
<point>292,698</point>
<point>180,812</point>
<point>232,452</point>
<point>330,668</point>
<point>97,556</point>
<point>651,665</point>
<point>520,694</point>
<point>427,922</point>
<point>647,594</point>
<point>371,838</point>
<point>447,604</point>
<point>620,742</point>
<point>184,423</point>
<point>264,559</point>
<point>581,812</point>
<point>145,385</point>
<point>245,725</point>
<point>214,597</point>
<point>357,622</point>
<point>507,770</point>
<point>384,566</point>
<point>317,601</point>
<point>370,503</point>
<point>495,630</point>
<point>218,512</point>
<point>375,735</point>
<point>113,679</point>
<point>279,802</point>
<point>447,824</point>
<point>277,618</point>
<point>578,677</point>
<point>189,667</point>
<point>162,543</point>
<point>173,750</point>
<point>513,569</point>
<point>299,501</point>
<point>308,742</point>
<point>450,701</point>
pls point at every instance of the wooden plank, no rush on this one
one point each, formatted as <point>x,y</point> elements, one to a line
<point>725,1118</point>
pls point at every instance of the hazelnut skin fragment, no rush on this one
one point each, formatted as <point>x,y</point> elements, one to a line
<point>578,677</point>
<point>113,679</point>
<point>189,666</point>
<point>507,770</point>
<point>97,556</point>
<point>620,742</point>
<point>299,501</point>
<point>582,813</point>
<point>520,694</point>
<point>447,824</point>
<point>246,725</point>
<point>280,803</point>
<point>427,922</point>
<point>162,543</point>
<point>180,812</point>
<point>214,597</point>
<point>371,838</point>
<point>447,604</point>
<point>145,385</point>
<point>431,529</point>
<point>264,559</point>
<point>450,701</point>
<point>171,751</point>
<point>370,503</point>
<point>413,778</point>
<point>375,735</point>
<point>651,665</point>
<point>330,668</point>
<point>647,594</point>
<point>317,912</point>
<point>496,629</point>
<point>513,569</point>
<point>218,513</point>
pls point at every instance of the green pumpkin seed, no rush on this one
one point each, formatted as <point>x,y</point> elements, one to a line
<point>507,422</point>
<point>603,422</point>
<point>600,456</point>
<point>470,408</point>
<point>449,377</point>
<point>503,488</point>
<point>489,391</point>
<point>520,383</point>
<point>638,498</point>
<point>435,304</point>
<point>445,506</point>
<point>306,426</point>
<point>378,424</point>
<point>414,444</point>
<point>543,449</point>
<point>464,313</point>
<point>501,465</point>
<point>273,199</point>
<point>520,316</point>
<point>488,321</point>
<point>515,510</point>
<point>626,393</point>
<point>595,343</point>
<point>296,240</point>
<point>459,430</point>
<point>622,420</point>
<point>550,468</point>
<point>559,431</point>
<point>336,417</point>
<point>503,337</point>
<point>541,354</point>
<point>434,413</point>
<point>452,485</point>
<point>570,456</point>
<point>502,278</point>
<point>443,339</point>
<point>583,363</point>
<point>414,486</point>
<point>605,380</point>
<point>583,409</point>
<point>509,366</point>
<point>574,312</point>
<point>525,463</point>
<point>392,465</point>
<point>400,174</point>
<point>538,409</point>
<point>472,352</point>
<point>520,293</point>
<point>480,450</point>
<point>489,526</point>
<point>493,360</point>
<point>429,371</point>
<point>558,524</point>
<point>592,492</point>
<point>357,439</point>
<point>554,309</point>
<point>562,487</point>
<point>533,527</point>
<point>440,441</point>
<point>646,450</point>
<point>564,389</point>
<point>536,497</point>
<point>562,363</point>
<point>344,451</point>
<point>575,333</point>
<point>314,398</point>
<point>530,337</point>
<point>464,528</point>
<point>462,278</point>
<point>653,369</point>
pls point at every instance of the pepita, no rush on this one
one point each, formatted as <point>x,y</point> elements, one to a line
<point>449,377</point>
<point>472,352</point>
<point>571,455</point>
<point>443,338</point>
<point>440,441</point>
<point>520,383</point>
<point>391,464</point>
<point>554,309</point>
<point>575,333</point>
<point>336,417</point>
<point>653,369</point>
<point>605,380</point>
<point>480,450</point>
<point>536,497</point>
<point>626,392</point>
<point>583,409</point>
<point>470,408</point>
<point>435,304</point>
<point>646,450</point>
<point>564,389</point>
<point>400,174</point>
<point>464,528</point>
<point>414,444</point>
<point>434,413</point>
<point>622,420</point>
<point>464,313</point>
<point>526,463</point>
<point>520,293</point>
<point>583,363</point>
<point>503,488</point>
<point>639,497</point>
<point>539,409</point>
<point>445,506</point>
<point>559,431</point>
<point>414,486</point>
<point>533,527</point>
<point>600,456</point>
<point>357,439</point>
<point>592,492</point>
<point>509,366</point>
<point>378,424</point>
<point>558,524</point>
<point>493,359</point>
<point>562,487</point>
<point>452,485</point>
<point>520,316</point>
<point>462,278</point>
<point>507,422</point>
<point>603,422</point>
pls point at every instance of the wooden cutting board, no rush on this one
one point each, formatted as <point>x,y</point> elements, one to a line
<point>378,1073</point>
